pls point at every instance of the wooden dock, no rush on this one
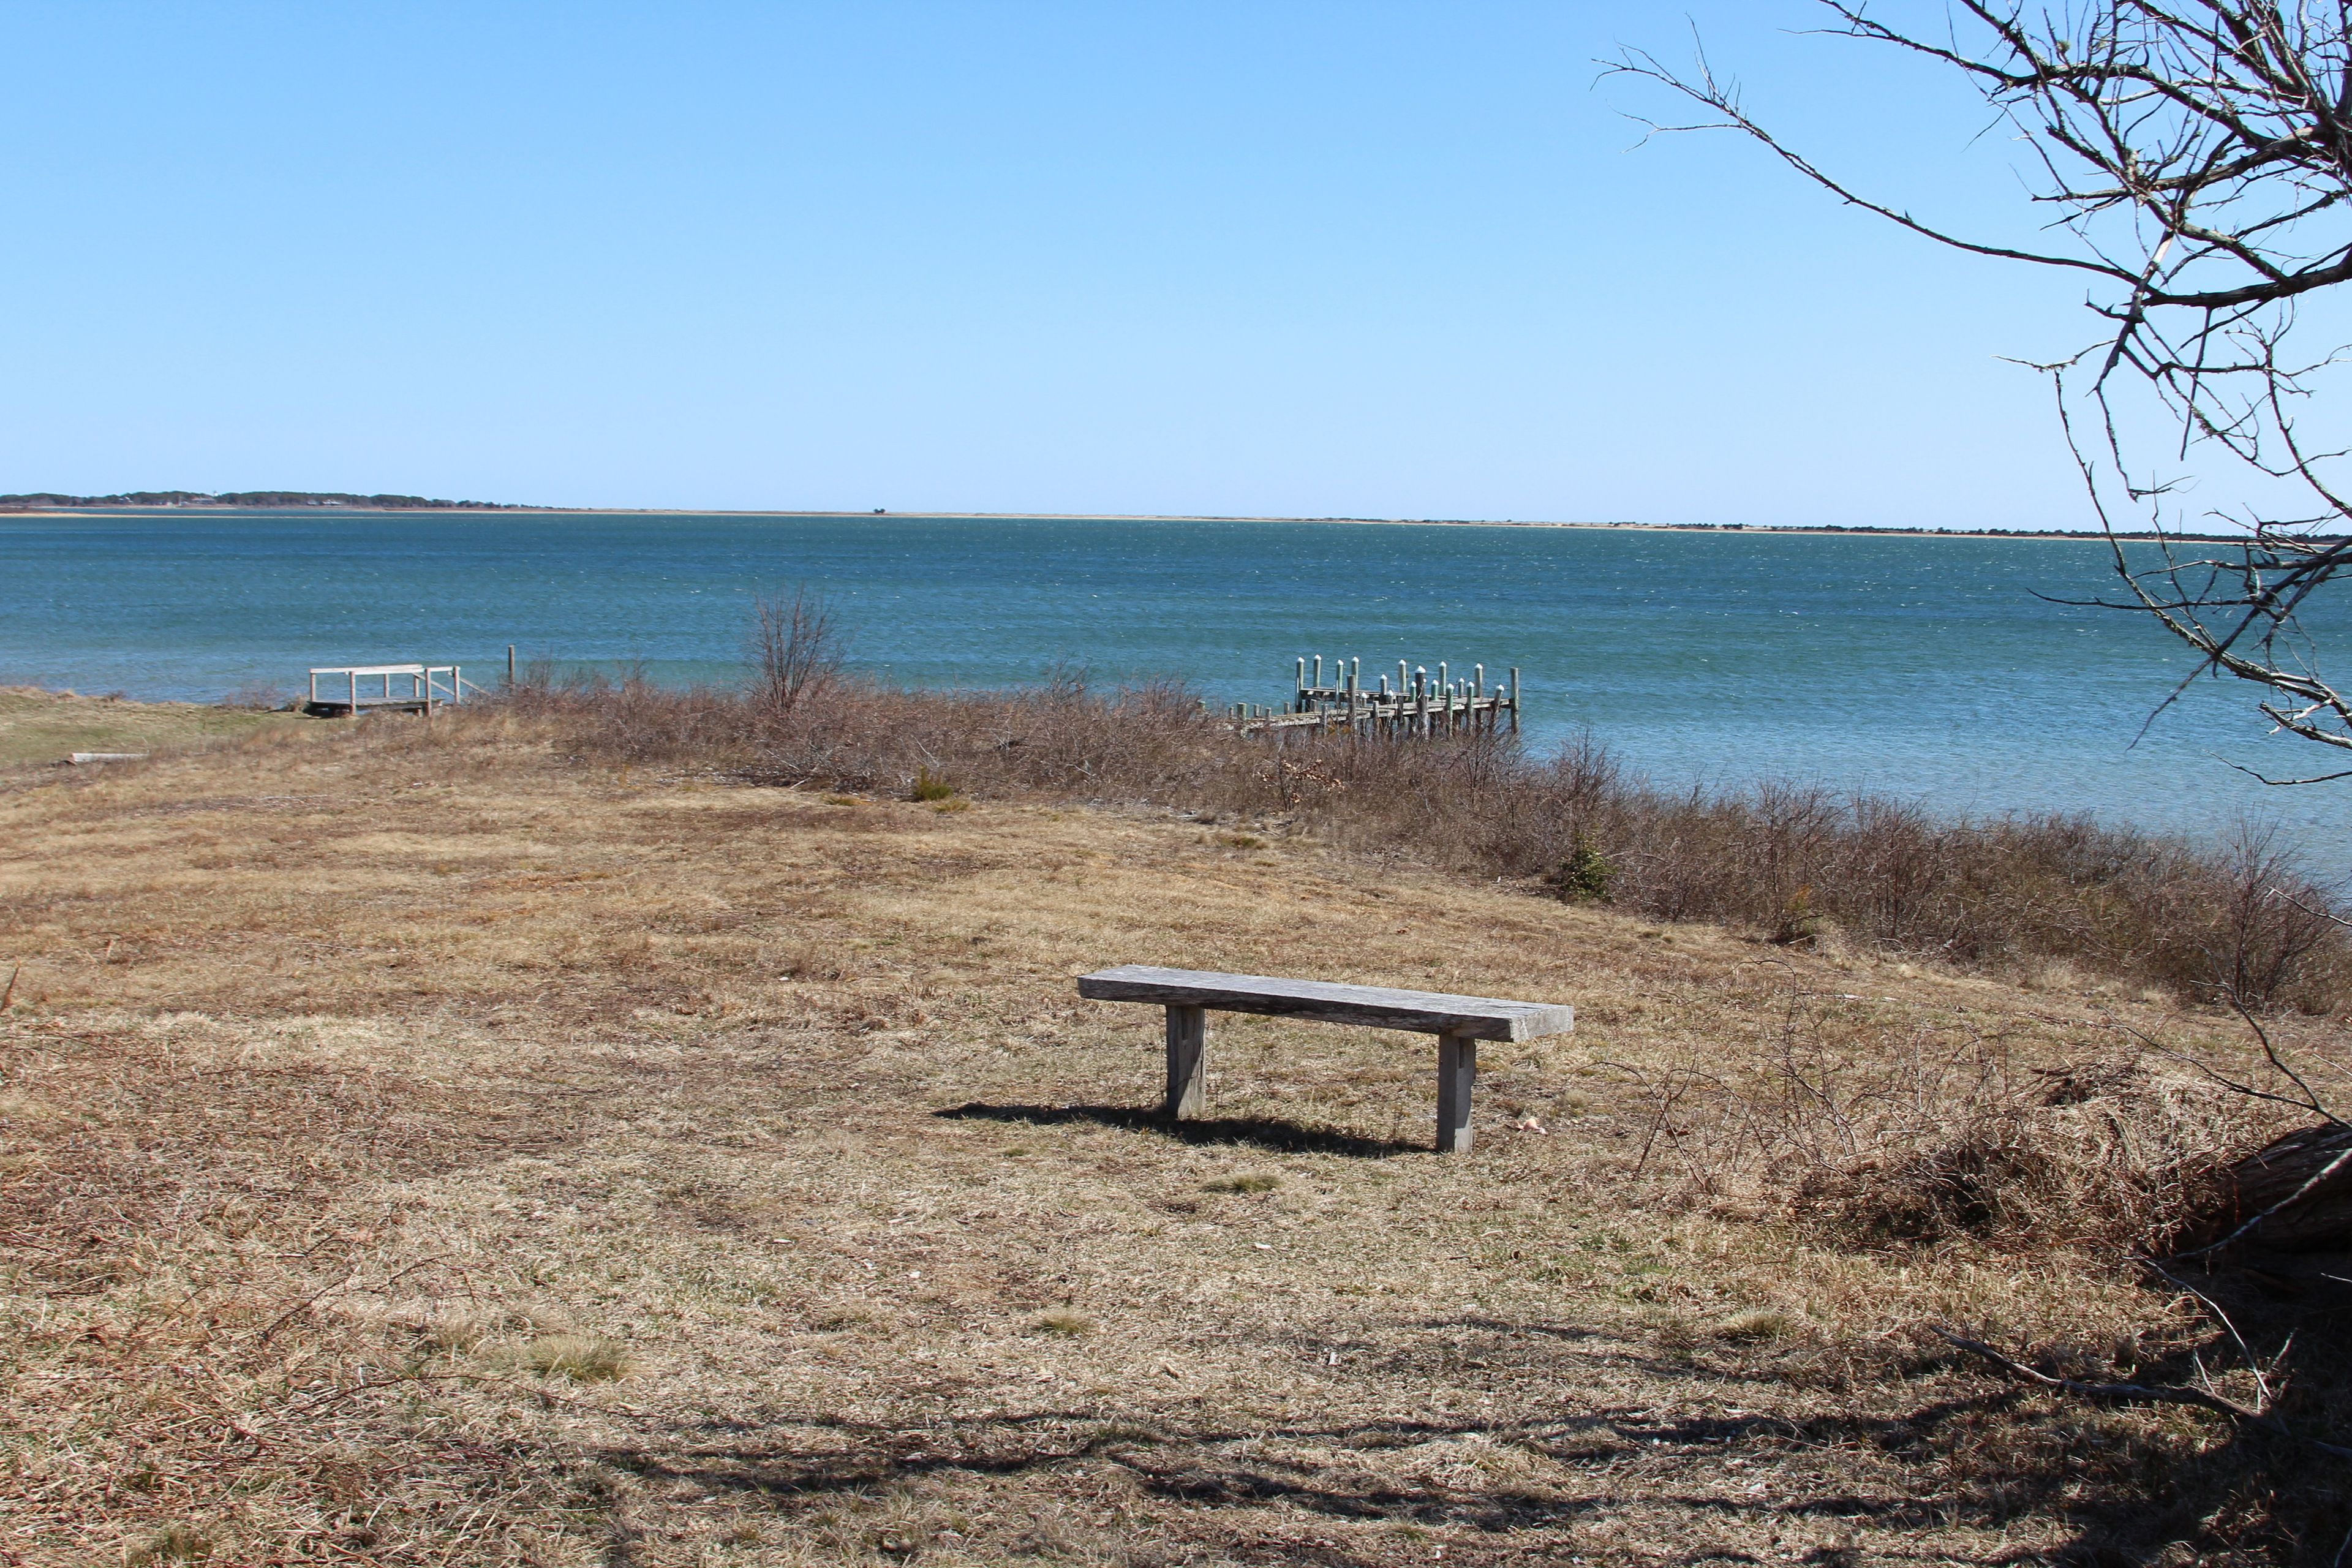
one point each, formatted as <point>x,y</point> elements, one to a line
<point>423,689</point>
<point>1418,705</point>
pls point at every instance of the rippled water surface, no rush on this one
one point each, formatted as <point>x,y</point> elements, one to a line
<point>1923,666</point>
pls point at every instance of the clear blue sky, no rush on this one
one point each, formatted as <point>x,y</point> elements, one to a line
<point>1397,260</point>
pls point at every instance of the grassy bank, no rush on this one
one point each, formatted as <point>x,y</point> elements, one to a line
<point>494,1143</point>
<point>39,726</point>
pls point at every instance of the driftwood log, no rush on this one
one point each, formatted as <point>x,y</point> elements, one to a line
<point>2292,1194</point>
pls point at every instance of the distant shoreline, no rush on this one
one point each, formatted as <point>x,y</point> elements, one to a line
<point>488,510</point>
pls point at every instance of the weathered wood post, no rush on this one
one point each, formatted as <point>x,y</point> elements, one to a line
<point>510,667</point>
<point>355,692</point>
<point>1457,1074</point>
<point>1421,701</point>
<point>1515,700</point>
<point>1188,1061</point>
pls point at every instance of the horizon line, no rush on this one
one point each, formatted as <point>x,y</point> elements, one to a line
<point>495,509</point>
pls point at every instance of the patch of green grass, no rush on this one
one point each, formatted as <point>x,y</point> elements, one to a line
<point>930,788</point>
<point>1063,1322</point>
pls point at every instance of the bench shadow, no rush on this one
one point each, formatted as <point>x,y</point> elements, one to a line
<point>1258,1132</point>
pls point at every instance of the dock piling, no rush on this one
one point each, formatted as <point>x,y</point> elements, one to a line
<point>1419,705</point>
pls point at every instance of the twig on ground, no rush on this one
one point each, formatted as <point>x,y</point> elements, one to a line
<point>296,1309</point>
<point>2125,1392</point>
<point>2258,1417</point>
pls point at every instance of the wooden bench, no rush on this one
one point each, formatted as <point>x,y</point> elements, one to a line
<point>1458,1021</point>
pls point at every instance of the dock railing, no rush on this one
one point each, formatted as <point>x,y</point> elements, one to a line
<point>1419,705</point>
<point>424,688</point>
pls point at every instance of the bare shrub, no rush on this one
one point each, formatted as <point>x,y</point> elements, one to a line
<point>2263,939</point>
<point>258,696</point>
<point>1947,1135</point>
<point>796,648</point>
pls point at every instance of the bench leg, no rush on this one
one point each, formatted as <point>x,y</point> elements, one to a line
<point>1188,1061</point>
<point>1457,1070</point>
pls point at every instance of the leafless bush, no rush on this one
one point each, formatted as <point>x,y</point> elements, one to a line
<point>2268,936</point>
<point>258,696</point>
<point>795,649</point>
<point>1949,1133</point>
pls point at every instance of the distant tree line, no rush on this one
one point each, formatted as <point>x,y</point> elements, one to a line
<point>44,499</point>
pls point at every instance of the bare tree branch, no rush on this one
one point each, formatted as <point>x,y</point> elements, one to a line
<point>2196,155</point>
<point>2129,1393</point>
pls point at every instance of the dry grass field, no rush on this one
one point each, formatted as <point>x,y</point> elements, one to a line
<point>416,1148</point>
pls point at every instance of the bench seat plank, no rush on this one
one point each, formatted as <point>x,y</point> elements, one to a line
<point>1430,1012</point>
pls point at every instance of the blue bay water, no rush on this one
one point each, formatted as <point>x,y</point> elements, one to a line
<point>1923,667</point>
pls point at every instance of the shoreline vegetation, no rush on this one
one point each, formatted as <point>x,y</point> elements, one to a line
<point>45,504</point>
<point>1796,864</point>
<point>2237,922</point>
<point>610,1119</point>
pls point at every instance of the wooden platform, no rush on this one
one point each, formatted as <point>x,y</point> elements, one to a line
<point>332,707</point>
<point>423,689</point>
<point>1419,705</point>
